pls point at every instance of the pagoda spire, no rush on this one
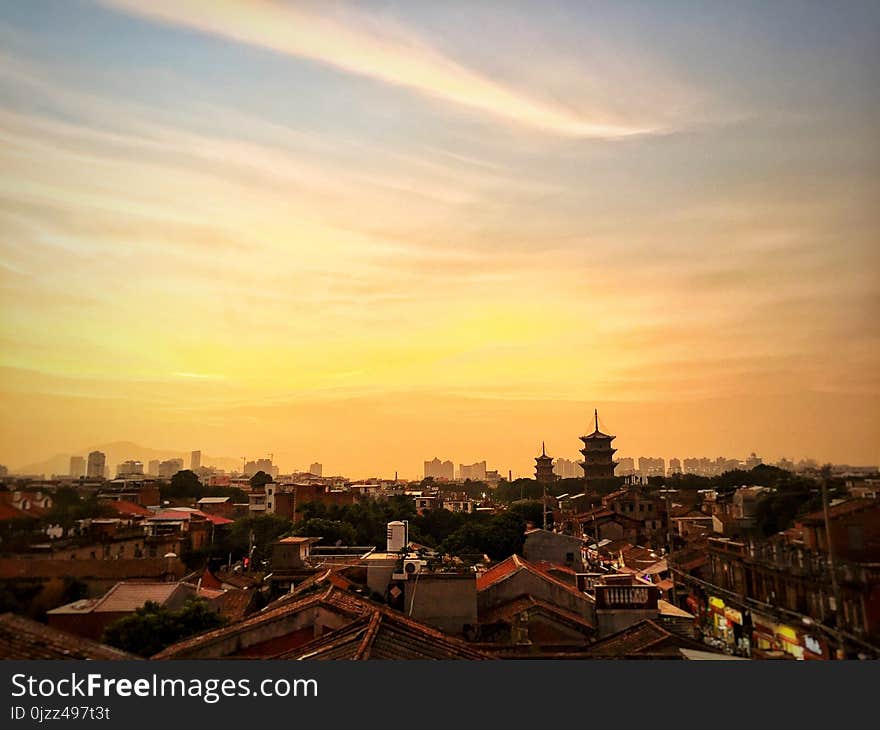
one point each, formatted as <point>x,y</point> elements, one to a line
<point>544,466</point>
<point>598,453</point>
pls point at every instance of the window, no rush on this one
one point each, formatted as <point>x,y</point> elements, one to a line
<point>641,508</point>
<point>569,558</point>
<point>650,507</point>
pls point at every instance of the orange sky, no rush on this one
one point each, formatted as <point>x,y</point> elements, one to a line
<point>372,239</point>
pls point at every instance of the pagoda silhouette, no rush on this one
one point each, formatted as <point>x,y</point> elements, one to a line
<point>598,454</point>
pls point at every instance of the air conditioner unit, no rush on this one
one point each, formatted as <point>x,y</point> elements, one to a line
<point>413,566</point>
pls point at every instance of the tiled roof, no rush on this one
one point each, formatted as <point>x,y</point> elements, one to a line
<point>21,638</point>
<point>172,515</point>
<point>216,519</point>
<point>645,638</point>
<point>234,604</point>
<point>241,580</point>
<point>839,510</point>
<point>549,567</point>
<point>209,580</point>
<point>669,609</point>
<point>371,631</point>
<point>507,611</point>
<point>513,565</point>
<point>332,599</point>
<point>129,508</point>
<point>328,576</point>
<point>125,597</point>
<point>385,634</point>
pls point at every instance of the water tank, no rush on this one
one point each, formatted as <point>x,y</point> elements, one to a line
<point>397,536</point>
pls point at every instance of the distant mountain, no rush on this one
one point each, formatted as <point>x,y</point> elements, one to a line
<point>120,451</point>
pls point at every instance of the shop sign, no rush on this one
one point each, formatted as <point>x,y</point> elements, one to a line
<point>732,614</point>
<point>786,633</point>
<point>812,644</point>
<point>716,604</point>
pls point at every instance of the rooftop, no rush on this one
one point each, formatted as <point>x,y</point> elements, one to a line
<point>645,639</point>
<point>130,509</point>
<point>21,638</point>
<point>124,597</point>
<point>848,507</point>
<point>512,565</point>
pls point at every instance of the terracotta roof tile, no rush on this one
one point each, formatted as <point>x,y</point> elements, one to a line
<point>21,638</point>
<point>126,597</point>
<point>646,638</point>
<point>506,611</point>
<point>385,634</point>
<point>129,508</point>
<point>514,564</point>
<point>838,510</point>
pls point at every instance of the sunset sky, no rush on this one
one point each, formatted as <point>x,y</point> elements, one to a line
<point>373,233</point>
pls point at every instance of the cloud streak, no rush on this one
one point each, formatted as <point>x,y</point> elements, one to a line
<point>386,54</point>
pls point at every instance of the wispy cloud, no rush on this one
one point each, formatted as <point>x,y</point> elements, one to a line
<point>386,53</point>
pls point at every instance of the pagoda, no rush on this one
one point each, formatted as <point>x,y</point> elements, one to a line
<point>598,454</point>
<point>544,467</point>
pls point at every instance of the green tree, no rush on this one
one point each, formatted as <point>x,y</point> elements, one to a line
<point>68,508</point>
<point>264,529</point>
<point>184,484</point>
<point>153,627</point>
<point>529,510</point>
<point>260,479</point>
<point>332,532</point>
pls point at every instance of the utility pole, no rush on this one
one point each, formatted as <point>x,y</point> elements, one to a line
<point>835,587</point>
<point>666,492</point>
<point>544,505</point>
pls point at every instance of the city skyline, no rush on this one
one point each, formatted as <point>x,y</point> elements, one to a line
<point>367,237</point>
<point>444,466</point>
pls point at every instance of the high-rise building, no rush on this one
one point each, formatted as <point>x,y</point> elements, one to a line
<point>96,465</point>
<point>544,467</point>
<point>153,467</point>
<point>566,468</point>
<point>651,467</point>
<point>77,467</point>
<point>195,460</point>
<point>316,469</point>
<point>674,466</point>
<point>598,454</point>
<point>436,469</point>
<point>130,468</point>
<point>170,467</point>
<point>476,472</point>
<point>3,471</point>
<point>753,461</point>
<point>626,466</point>
<point>260,465</point>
